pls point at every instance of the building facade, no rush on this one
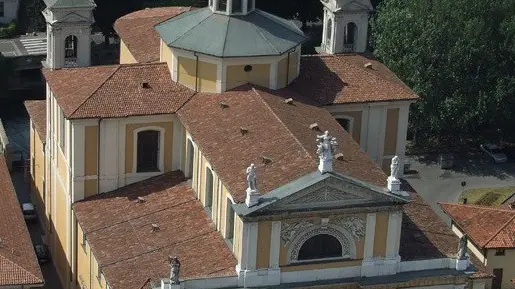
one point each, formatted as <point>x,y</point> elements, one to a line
<point>147,159</point>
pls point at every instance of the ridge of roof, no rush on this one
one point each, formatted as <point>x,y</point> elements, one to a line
<point>478,207</point>
<point>499,231</point>
<point>282,123</point>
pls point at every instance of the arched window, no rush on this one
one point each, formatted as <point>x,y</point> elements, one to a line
<point>70,47</point>
<point>320,247</point>
<point>349,36</point>
<point>148,158</point>
<point>209,188</point>
<point>190,151</point>
<point>328,31</point>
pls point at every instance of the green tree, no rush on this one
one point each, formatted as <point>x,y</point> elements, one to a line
<point>458,55</point>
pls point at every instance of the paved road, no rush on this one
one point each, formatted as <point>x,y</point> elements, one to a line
<point>437,185</point>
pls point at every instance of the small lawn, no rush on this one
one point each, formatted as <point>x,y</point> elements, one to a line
<point>487,196</point>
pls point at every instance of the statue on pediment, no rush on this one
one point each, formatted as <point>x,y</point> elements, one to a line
<point>251,178</point>
<point>326,148</point>
<point>175,265</point>
<point>462,248</point>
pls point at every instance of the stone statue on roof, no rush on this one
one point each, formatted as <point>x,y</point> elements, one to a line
<point>175,265</point>
<point>462,248</point>
<point>251,178</point>
<point>394,168</point>
<point>326,148</point>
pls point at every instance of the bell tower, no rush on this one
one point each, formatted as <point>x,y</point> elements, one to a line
<point>345,25</point>
<point>68,32</point>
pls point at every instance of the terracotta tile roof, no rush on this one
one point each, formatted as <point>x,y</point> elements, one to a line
<point>119,231</point>
<point>18,263</point>
<point>276,130</point>
<point>137,31</point>
<point>424,235</point>
<point>116,90</point>
<point>37,114</point>
<point>335,79</point>
<point>487,227</point>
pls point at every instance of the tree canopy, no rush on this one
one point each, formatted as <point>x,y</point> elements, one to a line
<point>458,55</point>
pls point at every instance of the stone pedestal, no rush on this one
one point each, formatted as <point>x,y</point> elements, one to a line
<point>394,185</point>
<point>166,284</point>
<point>325,166</point>
<point>252,198</point>
<point>462,265</point>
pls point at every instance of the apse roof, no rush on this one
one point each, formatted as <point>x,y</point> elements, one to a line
<point>255,34</point>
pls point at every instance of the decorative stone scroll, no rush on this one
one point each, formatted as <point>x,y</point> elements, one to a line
<point>290,230</point>
<point>354,225</point>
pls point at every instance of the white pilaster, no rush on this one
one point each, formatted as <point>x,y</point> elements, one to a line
<point>376,133</point>
<point>175,65</point>
<point>368,264</point>
<point>178,143</point>
<point>275,244</point>
<point>392,258</point>
<point>273,74</point>
<point>252,246</point>
<point>402,131</point>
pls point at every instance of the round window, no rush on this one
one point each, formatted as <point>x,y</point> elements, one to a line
<point>247,68</point>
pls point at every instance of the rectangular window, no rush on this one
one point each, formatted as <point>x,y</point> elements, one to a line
<point>83,242</point>
<point>99,274</point>
<point>229,225</point>
<point>209,188</point>
<point>2,7</point>
<point>147,151</point>
<point>62,131</point>
<point>236,6</point>
<point>500,252</point>
<point>222,6</point>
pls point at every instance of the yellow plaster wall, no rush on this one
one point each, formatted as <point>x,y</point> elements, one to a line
<point>166,55</point>
<point>90,150</point>
<point>38,175</point>
<point>381,234</point>
<point>259,75</point>
<point>506,262</point>
<point>125,54</point>
<point>62,167</point>
<point>207,76</point>
<point>287,69</point>
<point>90,188</point>
<point>392,124</point>
<point>292,73</point>
<point>187,74</point>
<point>237,238</point>
<point>83,260</point>
<point>356,126</point>
<point>263,244</point>
<point>168,143</point>
<point>61,236</point>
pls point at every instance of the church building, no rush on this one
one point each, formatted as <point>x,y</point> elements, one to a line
<point>216,155</point>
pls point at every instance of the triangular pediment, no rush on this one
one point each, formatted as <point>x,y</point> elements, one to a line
<point>321,192</point>
<point>73,17</point>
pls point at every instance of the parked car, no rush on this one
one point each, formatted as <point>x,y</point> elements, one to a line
<point>42,253</point>
<point>494,152</point>
<point>29,212</point>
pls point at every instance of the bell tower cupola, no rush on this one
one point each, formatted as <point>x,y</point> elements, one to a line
<point>345,25</point>
<point>232,7</point>
<point>68,25</point>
